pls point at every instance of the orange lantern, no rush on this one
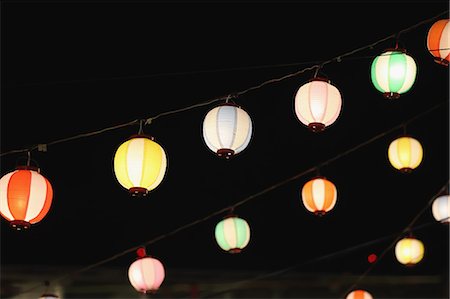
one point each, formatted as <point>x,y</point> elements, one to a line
<point>438,41</point>
<point>319,195</point>
<point>359,294</point>
<point>25,197</point>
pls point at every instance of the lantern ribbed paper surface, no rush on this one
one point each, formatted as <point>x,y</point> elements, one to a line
<point>441,208</point>
<point>232,234</point>
<point>359,294</point>
<point>319,195</point>
<point>146,274</point>
<point>438,41</point>
<point>405,153</point>
<point>409,251</point>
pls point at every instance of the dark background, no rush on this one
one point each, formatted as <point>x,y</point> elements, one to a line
<point>76,67</point>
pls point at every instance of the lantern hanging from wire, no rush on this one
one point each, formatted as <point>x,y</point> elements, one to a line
<point>232,234</point>
<point>146,274</point>
<point>319,195</point>
<point>359,294</point>
<point>140,164</point>
<point>227,130</point>
<point>393,73</point>
<point>317,104</point>
<point>441,209</point>
<point>409,251</point>
<point>25,197</point>
<point>405,153</point>
<point>47,294</point>
<point>438,41</point>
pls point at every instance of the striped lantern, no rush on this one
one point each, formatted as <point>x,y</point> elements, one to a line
<point>405,153</point>
<point>232,234</point>
<point>227,130</point>
<point>319,196</point>
<point>49,296</point>
<point>441,209</point>
<point>317,104</point>
<point>140,164</point>
<point>438,41</point>
<point>359,294</point>
<point>409,251</point>
<point>25,197</point>
<point>393,73</point>
<point>146,274</point>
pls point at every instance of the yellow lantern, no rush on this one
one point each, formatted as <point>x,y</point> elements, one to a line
<point>140,164</point>
<point>409,251</point>
<point>405,153</point>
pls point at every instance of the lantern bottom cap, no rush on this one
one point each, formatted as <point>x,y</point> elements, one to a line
<point>316,127</point>
<point>235,250</point>
<point>319,213</point>
<point>406,170</point>
<point>441,61</point>
<point>391,95</point>
<point>225,153</point>
<point>20,224</point>
<point>138,191</point>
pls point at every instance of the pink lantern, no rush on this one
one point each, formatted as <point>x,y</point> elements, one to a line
<point>146,274</point>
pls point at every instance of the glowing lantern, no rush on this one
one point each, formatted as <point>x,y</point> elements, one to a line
<point>317,104</point>
<point>441,208</point>
<point>227,130</point>
<point>140,164</point>
<point>409,251</point>
<point>359,294</point>
<point>232,234</point>
<point>146,274</point>
<point>25,197</point>
<point>319,195</point>
<point>393,73</point>
<point>49,296</point>
<point>405,153</point>
<point>438,41</point>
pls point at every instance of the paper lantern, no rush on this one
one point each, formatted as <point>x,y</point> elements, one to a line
<point>140,164</point>
<point>409,251</point>
<point>438,41</point>
<point>232,234</point>
<point>318,104</point>
<point>405,153</point>
<point>319,196</point>
<point>441,208</point>
<point>49,296</point>
<point>393,73</point>
<point>25,197</point>
<point>359,294</point>
<point>227,130</point>
<point>146,274</point>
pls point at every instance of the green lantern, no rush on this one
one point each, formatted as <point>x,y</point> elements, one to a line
<point>232,234</point>
<point>393,73</point>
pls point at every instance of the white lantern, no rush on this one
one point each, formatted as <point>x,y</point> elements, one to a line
<point>146,274</point>
<point>441,208</point>
<point>227,130</point>
<point>359,294</point>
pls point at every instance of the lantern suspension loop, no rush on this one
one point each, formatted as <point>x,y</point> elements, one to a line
<point>318,67</point>
<point>28,158</point>
<point>142,122</point>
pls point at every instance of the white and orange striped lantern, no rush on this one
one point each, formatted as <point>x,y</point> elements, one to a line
<point>146,274</point>
<point>438,41</point>
<point>405,153</point>
<point>359,294</point>
<point>140,164</point>
<point>25,197</point>
<point>318,104</point>
<point>319,196</point>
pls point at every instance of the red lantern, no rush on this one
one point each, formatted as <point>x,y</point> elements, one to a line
<point>438,41</point>
<point>25,197</point>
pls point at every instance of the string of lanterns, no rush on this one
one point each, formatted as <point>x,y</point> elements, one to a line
<point>140,163</point>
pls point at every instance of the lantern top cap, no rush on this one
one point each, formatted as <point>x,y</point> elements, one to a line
<point>320,78</point>
<point>28,167</point>
<point>399,50</point>
<point>141,136</point>
<point>230,104</point>
<point>141,253</point>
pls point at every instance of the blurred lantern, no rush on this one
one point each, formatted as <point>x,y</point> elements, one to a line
<point>232,234</point>
<point>227,130</point>
<point>409,251</point>
<point>146,274</point>
<point>140,164</point>
<point>441,208</point>
<point>405,153</point>
<point>438,41</point>
<point>25,197</point>
<point>393,73</point>
<point>359,294</point>
<point>318,104</point>
<point>319,196</point>
<point>48,296</point>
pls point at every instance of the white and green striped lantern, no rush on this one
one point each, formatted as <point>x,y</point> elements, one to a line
<point>393,73</point>
<point>232,234</point>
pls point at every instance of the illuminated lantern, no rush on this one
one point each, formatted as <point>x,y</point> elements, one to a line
<point>48,296</point>
<point>232,234</point>
<point>441,208</point>
<point>25,197</point>
<point>393,73</point>
<point>359,294</point>
<point>146,274</point>
<point>405,153</point>
<point>438,41</point>
<point>227,130</point>
<point>140,164</point>
<point>409,251</point>
<point>319,196</point>
<point>318,104</point>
